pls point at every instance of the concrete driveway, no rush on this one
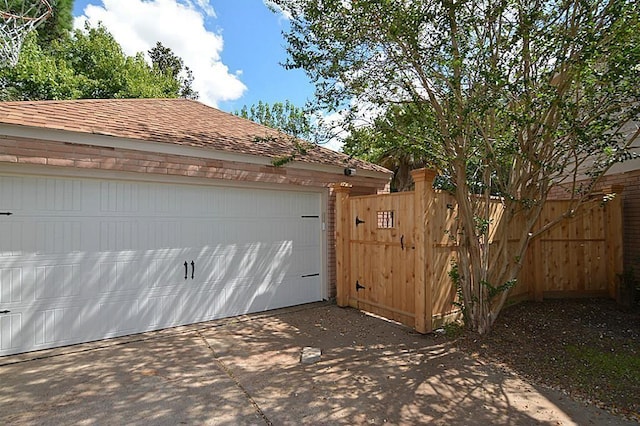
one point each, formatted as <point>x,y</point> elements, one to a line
<point>247,370</point>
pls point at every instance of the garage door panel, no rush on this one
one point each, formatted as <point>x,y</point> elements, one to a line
<point>56,236</point>
<point>238,204</point>
<point>122,276</point>
<point>11,288</point>
<point>202,233</point>
<point>41,194</point>
<point>84,259</point>
<point>241,231</point>
<point>241,297</point>
<point>56,281</point>
<point>119,197</point>
<point>54,327</point>
<point>304,263</point>
<point>205,304</point>
<point>11,189</point>
<point>53,195</point>
<point>159,311</point>
<point>44,237</point>
<point>296,290</point>
<point>117,317</point>
<point>164,234</point>
<point>11,335</point>
<point>259,261</point>
<point>164,200</point>
<point>166,275</point>
<point>211,268</point>
<point>119,235</point>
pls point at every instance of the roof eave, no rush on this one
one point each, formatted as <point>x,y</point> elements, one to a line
<point>143,145</point>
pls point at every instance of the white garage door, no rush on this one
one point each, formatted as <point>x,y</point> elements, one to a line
<point>84,259</point>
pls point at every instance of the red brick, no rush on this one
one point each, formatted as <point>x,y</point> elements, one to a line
<point>32,160</point>
<point>157,170</point>
<point>60,162</point>
<point>148,163</point>
<point>87,164</point>
<point>177,172</point>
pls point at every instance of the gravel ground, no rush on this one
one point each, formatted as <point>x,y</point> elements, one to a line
<point>586,348</point>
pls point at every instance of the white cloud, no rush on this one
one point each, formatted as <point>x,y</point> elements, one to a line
<point>137,25</point>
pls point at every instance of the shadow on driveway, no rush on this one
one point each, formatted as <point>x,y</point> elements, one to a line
<point>247,370</point>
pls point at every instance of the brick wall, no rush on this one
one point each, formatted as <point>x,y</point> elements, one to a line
<point>70,155</point>
<point>631,215</point>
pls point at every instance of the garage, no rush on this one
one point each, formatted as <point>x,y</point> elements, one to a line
<point>89,259</point>
<point>124,216</point>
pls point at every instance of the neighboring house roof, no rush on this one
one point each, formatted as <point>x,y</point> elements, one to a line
<point>173,121</point>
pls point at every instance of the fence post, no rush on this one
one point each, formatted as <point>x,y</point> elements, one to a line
<point>424,256</point>
<point>343,235</point>
<point>614,240</point>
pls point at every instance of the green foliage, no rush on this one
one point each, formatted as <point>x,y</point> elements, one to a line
<point>38,75</point>
<point>299,148</point>
<point>503,98</point>
<point>454,274</point>
<point>453,330</point>
<point>400,140</point>
<point>500,289</point>
<point>88,64</point>
<point>165,62</point>
<point>57,26</point>
<point>285,117</point>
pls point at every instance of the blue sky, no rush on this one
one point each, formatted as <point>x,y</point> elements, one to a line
<point>234,47</point>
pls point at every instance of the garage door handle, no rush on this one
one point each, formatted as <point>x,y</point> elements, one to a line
<point>186,269</point>
<point>193,268</point>
<point>4,312</point>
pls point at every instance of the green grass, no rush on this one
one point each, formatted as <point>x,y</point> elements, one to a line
<point>612,365</point>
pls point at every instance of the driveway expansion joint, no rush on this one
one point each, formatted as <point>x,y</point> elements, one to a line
<point>235,380</point>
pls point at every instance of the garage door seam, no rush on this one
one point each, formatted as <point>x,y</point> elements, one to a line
<point>230,374</point>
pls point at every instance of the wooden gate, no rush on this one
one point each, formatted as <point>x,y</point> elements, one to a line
<point>382,247</point>
<point>394,253</point>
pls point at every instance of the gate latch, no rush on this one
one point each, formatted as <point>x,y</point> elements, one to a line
<point>359,286</point>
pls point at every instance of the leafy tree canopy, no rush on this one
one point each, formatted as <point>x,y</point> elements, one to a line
<point>88,64</point>
<point>285,117</point>
<point>399,140</point>
<point>58,25</point>
<point>524,95</point>
<point>167,63</point>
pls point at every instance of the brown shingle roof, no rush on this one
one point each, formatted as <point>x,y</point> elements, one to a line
<point>175,121</point>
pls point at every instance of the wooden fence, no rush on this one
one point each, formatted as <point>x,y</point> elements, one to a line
<point>394,253</point>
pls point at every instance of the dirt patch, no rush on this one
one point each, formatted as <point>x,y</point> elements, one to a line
<point>586,348</point>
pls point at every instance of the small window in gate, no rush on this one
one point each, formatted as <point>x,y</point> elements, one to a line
<point>385,219</point>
